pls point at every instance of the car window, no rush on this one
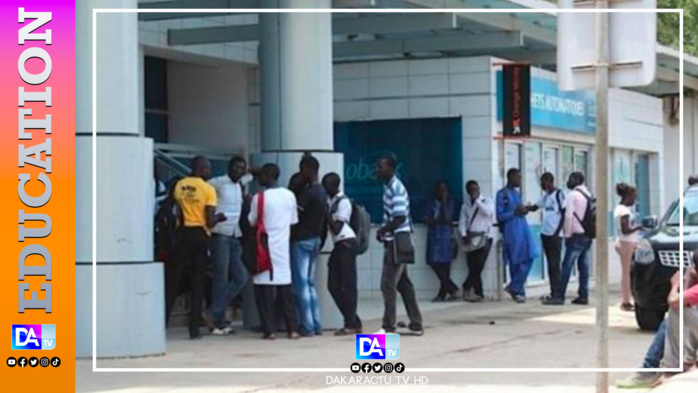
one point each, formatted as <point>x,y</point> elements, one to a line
<point>690,211</point>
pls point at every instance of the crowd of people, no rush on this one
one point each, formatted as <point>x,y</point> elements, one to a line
<point>213,234</point>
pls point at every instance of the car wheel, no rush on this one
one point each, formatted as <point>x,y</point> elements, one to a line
<point>649,318</point>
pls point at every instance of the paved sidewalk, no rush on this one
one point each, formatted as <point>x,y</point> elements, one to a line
<point>460,334</point>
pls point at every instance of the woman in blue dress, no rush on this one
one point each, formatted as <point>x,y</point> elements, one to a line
<point>441,250</point>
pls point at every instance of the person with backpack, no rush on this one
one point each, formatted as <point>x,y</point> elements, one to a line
<point>475,227</point>
<point>553,204</point>
<point>441,244</point>
<point>272,212</point>
<point>519,247</point>
<point>341,280</point>
<point>579,230</point>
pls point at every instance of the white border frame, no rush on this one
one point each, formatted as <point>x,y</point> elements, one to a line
<point>96,11</point>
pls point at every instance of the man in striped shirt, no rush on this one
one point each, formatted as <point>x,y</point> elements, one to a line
<point>394,278</point>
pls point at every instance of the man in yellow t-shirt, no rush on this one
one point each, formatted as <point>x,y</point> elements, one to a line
<point>197,202</point>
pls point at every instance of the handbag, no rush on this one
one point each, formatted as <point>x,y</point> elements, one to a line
<point>403,249</point>
<point>262,254</point>
<point>477,239</point>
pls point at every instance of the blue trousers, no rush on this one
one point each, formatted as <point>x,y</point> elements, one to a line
<point>655,352</point>
<point>229,275</point>
<point>304,256</point>
<point>576,252</point>
<point>519,274</point>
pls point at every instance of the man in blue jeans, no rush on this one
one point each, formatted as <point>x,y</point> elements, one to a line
<point>228,273</point>
<point>305,243</point>
<point>577,243</point>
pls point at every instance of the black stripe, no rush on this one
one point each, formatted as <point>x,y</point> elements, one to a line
<point>109,134</point>
<point>118,263</point>
<point>300,151</point>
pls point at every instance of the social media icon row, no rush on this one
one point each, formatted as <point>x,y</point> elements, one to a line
<point>377,368</point>
<point>33,362</point>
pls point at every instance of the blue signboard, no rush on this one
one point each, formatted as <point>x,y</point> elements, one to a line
<point>552,108</point>
<point>428,150</point>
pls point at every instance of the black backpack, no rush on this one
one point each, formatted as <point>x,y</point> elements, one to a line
<point>589,220</point>
<point>360,223</point>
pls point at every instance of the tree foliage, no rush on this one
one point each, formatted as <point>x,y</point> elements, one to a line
<point>668,25</point>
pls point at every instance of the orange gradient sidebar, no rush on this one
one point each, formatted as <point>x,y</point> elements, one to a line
<point>37,203</point>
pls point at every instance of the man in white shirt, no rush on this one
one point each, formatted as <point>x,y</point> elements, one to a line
<point>553,204</point>
<point>226,268</point>
<point>273,287</point>
<point>577,242</point>
<point>476,218</point>
<point>341,280</point>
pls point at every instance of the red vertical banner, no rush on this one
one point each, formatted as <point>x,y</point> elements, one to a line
<point>516,119</point>
<point>37,175</point>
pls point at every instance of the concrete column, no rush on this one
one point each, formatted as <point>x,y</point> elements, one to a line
<point>130,285</point>
<point>295,53</point>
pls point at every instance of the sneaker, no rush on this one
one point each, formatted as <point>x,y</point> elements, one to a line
<point>511,292</point>
<point>384,331</point>
<point>478,299</point>
<point>552,301</point>
<point>453,297</point>
<point>581,301</point>
<point>415,330</point>
<point>520,299</point>
<point>344,332</point>
<point>219,332</point>
<point>639,381</point>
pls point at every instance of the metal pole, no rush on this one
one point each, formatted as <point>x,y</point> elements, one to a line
<point>602,68</point>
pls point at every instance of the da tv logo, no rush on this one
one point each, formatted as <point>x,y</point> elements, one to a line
<point>377,346</point>
<point>33,337</point>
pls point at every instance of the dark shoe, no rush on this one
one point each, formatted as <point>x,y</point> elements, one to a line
<point>627,307</point>
<point>269,336</point>
<point>318,333</point>
<point>293,336</point>
<point>581,301</point>
<point>438,299</point>
<point>306,334</point>
<point>401,324</point>
<point>454,296</point>
<point>552,301</point>
<point>208,322</point>
<point>415,329</point>
<point>196,337</point>
<point>344,332</point>
<point>510,292</point>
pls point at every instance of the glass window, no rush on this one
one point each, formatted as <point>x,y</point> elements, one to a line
<point>581,163</point>
<point>550,161</point>
<point>156,115</point>
<point>690,211</point>
<point>567,161</point>
<point>532,172</point>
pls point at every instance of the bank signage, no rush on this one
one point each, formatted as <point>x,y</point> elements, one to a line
<point>552,108</point>
<point>516,103</point>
